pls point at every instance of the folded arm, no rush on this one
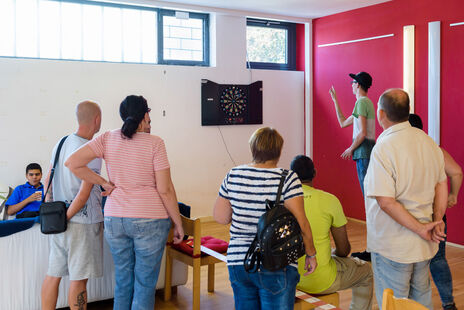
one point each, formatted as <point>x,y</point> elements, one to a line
<point>13,209</point>
<point>397,211</point>
<point>77,163</point>
<point>80,200</point>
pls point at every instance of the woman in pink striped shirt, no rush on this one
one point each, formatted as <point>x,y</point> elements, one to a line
<point>141,199</point>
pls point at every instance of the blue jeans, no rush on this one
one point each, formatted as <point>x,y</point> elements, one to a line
<point>361,168</point>
<point>406,280</point>
<point>441,273</point>
<point>264,289</point>
<point>137,246</point>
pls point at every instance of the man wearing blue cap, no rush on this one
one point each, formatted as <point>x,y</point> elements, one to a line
<point>363,121</point>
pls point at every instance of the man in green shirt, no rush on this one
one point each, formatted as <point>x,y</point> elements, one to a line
<point>337,272</point>
<point>363,121</point>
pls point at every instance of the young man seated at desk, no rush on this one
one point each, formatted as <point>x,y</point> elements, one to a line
<point>337,272</point>
<point>26,198</point>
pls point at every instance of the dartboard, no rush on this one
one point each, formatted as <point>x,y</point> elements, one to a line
<point>231,104</point>
<point>233,101</point>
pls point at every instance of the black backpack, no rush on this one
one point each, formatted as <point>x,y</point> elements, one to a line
<point>278,241</point>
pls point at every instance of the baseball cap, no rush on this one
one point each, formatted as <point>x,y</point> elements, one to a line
<point>363,78</point>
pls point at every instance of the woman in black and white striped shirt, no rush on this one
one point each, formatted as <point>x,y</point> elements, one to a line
<point>241,202</point>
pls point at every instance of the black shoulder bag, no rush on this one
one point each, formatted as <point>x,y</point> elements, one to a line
<point>278,241</point>
<point>53,214</point>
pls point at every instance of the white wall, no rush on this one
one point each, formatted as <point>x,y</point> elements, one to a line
<point>38,98</point>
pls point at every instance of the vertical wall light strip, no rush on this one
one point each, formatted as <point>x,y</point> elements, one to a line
<point>434,81</point>
<point>408,63</point>
<point>308,90</point>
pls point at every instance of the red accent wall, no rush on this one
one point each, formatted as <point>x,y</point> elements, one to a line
<point>300,47</point>
<point>383,59</point>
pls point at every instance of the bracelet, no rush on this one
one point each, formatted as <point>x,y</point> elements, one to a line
<point>311,256</point>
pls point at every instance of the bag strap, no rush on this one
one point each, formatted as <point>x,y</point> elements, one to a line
<point>52,172</point>
<point>281,185</point>
<point>252,257</point>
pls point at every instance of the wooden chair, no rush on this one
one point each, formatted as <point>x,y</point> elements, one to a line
<point>192,227</point>
<point>390,302</point>
<point>333,299</point>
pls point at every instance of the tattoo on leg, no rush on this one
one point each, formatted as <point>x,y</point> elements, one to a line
<point>81,300</point>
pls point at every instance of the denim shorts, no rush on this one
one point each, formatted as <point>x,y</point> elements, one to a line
<point>77,252</point>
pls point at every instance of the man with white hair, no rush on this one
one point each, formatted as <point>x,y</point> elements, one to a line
<point>406,197</point>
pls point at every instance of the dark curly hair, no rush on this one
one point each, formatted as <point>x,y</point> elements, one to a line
<point>303,167</point>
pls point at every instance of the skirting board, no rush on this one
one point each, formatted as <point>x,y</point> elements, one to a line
<point>447,242</point>
<point>356,220</point>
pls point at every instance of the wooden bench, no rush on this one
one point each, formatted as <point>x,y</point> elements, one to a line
<point>332,299</point>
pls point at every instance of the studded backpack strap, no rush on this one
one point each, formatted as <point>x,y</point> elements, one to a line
<point>252,259</point>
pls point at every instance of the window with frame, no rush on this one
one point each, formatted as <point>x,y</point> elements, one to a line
<point>96,31</point>
<point>271,45</point>
<point>183,38</point>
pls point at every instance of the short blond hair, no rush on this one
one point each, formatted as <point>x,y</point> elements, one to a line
<point>266,144</point>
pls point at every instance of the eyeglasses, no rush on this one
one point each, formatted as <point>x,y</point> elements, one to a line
<point>148,110</point>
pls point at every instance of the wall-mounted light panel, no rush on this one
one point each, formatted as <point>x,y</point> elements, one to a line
<point>357,40</point>
<point>434,81</point>
<point>408,63</point>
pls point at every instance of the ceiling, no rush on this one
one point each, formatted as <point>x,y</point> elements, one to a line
<point>293,8</point>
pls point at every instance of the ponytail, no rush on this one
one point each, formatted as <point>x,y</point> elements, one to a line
<point>132,111</point>
<point>129,128</point>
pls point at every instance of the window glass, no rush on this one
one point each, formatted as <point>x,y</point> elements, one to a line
<point>100,31</point>
<point>267,44</point>
<point>112,34</point>
<point>26,28</point>
<point>179,40</point>
<point>71,31</point>
<point>149,36</point>
<point>92,32</point>
<point>131,25</point>
<point>49,29</point>
<point>7,28</point>
<point>271,45</point>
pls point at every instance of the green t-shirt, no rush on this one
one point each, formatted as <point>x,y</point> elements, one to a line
<point>364,107</point>
<point>323,211</point>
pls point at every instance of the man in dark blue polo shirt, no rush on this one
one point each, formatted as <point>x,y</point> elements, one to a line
<point>26,199</point>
